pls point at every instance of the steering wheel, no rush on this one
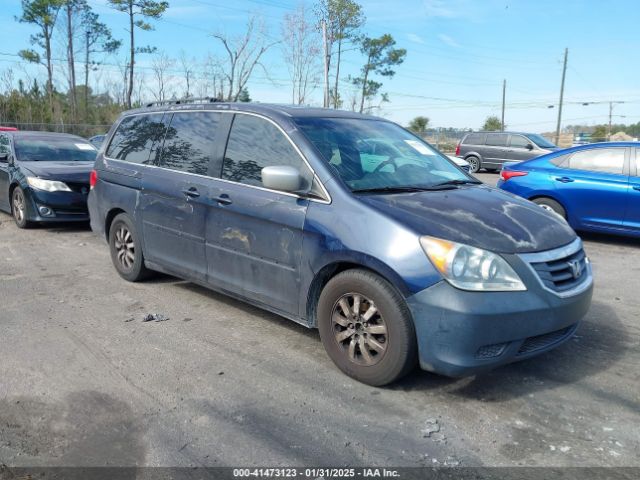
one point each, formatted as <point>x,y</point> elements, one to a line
<point>390,161</point>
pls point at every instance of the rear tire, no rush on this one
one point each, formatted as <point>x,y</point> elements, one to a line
<point>551,205</point>
<point>366,328</point>
<point>474,164</point>
<point>19,208</point>
<point>126,251</point>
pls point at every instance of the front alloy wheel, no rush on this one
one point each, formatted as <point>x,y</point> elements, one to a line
<point>359,329</point>
<point>366,327</point>
<point>19,208</point>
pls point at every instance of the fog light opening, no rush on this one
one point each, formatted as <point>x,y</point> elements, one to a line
<point>45,211</point>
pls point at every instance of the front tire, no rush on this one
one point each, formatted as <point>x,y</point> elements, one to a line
<point>474,164</point>
<point>551,205</point>
<point>366,328</point>
<point>126,251</point>
<point>19,208</point>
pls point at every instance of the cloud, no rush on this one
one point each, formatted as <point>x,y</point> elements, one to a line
<point>448,40</point>
<point>441,8</point>
<point>415,38</point>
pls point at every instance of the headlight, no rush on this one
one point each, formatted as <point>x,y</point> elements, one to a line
<point>48,185</point>
<point>470,268</point>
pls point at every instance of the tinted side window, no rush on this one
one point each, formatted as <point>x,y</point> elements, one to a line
<point>135,137</point>
<point>475,139</point>
<point>637,162</point>
<point>255,143</point>
<point>497,139</point>
<point>518,141</point>
<point>607,160</point>
<point>189,142</point>
<point>5,144</point>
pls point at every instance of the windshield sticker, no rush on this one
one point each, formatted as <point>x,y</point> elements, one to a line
<point>419,147</point>
<point>84,146</point>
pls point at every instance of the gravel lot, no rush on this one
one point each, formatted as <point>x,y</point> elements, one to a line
<point>83,381</point>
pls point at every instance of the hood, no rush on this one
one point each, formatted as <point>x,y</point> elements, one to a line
<point>479,216</point>
<point>75,172</point>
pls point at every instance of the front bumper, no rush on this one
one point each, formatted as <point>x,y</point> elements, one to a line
<point>63,206</point>
<point>462,333</point>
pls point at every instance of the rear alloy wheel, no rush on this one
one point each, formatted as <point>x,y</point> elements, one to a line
<point>19,208</point>
<point>366,328</point>
<point>474,164</point>
<point>551,205</point>
<point>126,253</point>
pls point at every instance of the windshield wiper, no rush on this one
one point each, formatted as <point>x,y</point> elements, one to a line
<point>405,189</point>
<point>458,182</point>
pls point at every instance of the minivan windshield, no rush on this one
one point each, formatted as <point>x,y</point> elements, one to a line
<point>540,141</point>
<point>54,149</point>
<point>375,155</point>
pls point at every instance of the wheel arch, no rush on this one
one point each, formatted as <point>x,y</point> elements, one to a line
<point>329,271</point>
<point>555,199</point>
<point>108,219</point>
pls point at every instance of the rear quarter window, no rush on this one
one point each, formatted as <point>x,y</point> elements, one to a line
<point>475,139</point>
<point>135,137</point>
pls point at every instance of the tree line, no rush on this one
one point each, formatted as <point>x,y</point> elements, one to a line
<point>82,86</point>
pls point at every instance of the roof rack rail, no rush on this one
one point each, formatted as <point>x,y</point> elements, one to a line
<point>184,100</point>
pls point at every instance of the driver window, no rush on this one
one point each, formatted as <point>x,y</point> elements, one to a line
<point>518,141</point>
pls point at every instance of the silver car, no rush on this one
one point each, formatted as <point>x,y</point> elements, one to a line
<point>489,150</point>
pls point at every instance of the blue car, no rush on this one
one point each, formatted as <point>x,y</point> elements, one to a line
<point>595,187</point>
<point>342,222</point>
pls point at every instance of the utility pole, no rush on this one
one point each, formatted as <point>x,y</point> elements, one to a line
<point>504,93</point>
<point>610,115</point>
<point>564,73</point>
<point>326,64</point>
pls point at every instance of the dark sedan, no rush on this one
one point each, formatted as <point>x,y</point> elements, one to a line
<point>44,177</point>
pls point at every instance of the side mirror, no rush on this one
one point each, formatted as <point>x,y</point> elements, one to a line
<point>4,157</point>
<point>529,146</point>
<point>281,177</point>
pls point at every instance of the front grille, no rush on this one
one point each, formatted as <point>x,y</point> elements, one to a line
<point>78,187</point>
<point>490,351</point>
<point>538,342</point>
<point>563,274</point>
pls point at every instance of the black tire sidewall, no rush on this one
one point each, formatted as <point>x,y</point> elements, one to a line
<point>137,271</point>
<point>401,354</point>
<point>24,223</point>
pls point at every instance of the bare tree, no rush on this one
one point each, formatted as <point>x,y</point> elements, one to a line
<point>188,72</point>
<point>301,49</point>
<point>243,55</point>
<point>161,66</point>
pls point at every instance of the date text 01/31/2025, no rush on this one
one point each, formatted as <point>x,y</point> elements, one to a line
<point>315,472</point>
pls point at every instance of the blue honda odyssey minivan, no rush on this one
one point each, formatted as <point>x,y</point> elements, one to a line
<point>342,222</point>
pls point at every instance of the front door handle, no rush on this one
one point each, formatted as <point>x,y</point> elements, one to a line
<point>564,179</point>
<point>636,187</point>
<point>191,192</point>
<point>223,199</point>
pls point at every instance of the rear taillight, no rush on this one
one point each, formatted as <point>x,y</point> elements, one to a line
<point>457,150</point>
<point>507,174</point>
<point>93,178</point>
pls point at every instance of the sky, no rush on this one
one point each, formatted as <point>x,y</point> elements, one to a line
<point>458,54</point>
